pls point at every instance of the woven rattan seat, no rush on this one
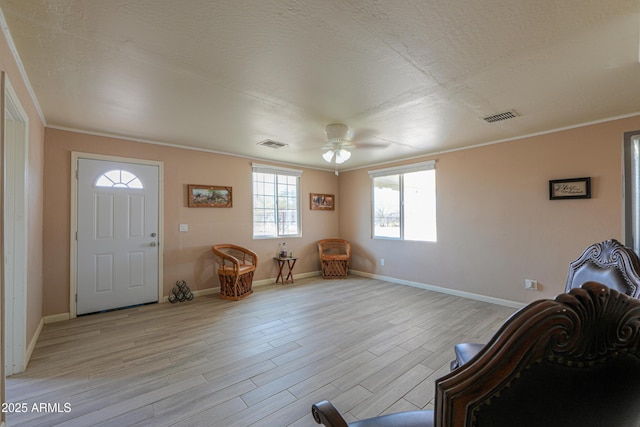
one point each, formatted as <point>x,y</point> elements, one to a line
<point>335,258</point>
<point>235,270</point>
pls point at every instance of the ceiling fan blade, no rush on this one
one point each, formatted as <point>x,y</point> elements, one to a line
<point>373,144</point>
<point>363,135</point>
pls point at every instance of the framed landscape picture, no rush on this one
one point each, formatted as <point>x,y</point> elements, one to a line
<point>322,202</point>
<point>209,196</point>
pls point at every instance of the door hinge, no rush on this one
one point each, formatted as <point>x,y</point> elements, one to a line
<point>76,297</point>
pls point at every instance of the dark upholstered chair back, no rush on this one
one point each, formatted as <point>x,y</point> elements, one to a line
<point>572,361</point>
<point>609,263</point>
<point>569,362</point>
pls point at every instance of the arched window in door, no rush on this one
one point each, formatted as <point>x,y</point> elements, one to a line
<point>119,178</point>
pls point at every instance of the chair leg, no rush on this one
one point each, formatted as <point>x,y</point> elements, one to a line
<point>335,269</point>
<point>234,289</point>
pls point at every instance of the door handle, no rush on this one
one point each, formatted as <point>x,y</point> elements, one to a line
<point>153,244</point>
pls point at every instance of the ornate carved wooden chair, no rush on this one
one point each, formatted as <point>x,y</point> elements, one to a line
<point>335,258</point>
<point>571,361</point>
<point>609,262</point>
<point>235,270</point>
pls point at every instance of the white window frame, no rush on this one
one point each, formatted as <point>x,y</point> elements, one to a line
<point>631,184</point>
<point>401,171</point>
<point>275,170</point>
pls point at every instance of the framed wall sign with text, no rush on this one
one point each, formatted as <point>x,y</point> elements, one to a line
<point>573,188</point>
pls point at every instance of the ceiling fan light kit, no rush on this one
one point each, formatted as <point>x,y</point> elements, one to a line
<point>328,156</point>
<point>341,155</point>
<point>337,143</point>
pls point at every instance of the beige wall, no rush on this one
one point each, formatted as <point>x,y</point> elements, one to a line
<point>35,191</point>
<point>187,256</point>
<point>496,224</point>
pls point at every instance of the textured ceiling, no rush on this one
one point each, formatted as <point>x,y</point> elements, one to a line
<point>408,77</point>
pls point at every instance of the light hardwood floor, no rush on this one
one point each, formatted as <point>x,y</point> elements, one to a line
<point>369,346</point>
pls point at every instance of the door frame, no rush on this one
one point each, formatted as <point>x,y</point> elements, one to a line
<point>15,132</point>
<point>73,268</point>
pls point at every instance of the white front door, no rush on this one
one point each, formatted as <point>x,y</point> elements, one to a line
<point>117,262</point>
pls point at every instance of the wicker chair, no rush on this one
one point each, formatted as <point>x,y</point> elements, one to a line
<point>235,270</point>
<point>335,258</point>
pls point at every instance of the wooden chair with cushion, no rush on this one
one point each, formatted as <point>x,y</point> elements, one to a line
<point>609,262</point>
<point>236,266</point>
<point>335,258</point>
<point>569,362</point>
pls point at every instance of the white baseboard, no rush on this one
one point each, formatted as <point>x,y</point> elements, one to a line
<point>197,293</point>
<point>469,295</point>
<point>209,291</point>
<point>32,343</point>
<point>256,283</point>
<point>56,318</point>
<point>272,280</point>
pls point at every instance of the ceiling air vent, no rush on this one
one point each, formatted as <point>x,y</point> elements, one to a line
<point>500,116</point>
<point>272,144</point>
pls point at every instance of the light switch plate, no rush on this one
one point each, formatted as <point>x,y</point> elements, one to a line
<point>184,228</point>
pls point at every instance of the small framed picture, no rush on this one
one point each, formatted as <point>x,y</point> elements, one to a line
<point>322,202</point>
<point>573,188</point>
<point>208,196</point>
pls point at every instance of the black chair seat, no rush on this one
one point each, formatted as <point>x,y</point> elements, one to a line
<point>325,413</point>
<point>465,352</point>
<point>401,419</point>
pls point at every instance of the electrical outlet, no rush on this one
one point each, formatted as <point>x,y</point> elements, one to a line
<point>381,261</point>
<point>531,285</point>
<point>184,228</point>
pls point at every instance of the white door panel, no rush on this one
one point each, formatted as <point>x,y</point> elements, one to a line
<point>117,235</point>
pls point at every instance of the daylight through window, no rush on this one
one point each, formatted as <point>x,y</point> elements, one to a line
<point>119,178</point>
<point>404,202</point>
<point>276,202</point>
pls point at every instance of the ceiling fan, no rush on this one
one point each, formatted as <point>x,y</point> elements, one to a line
<point>338,143</point>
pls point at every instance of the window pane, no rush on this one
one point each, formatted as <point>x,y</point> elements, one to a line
<point>419,189</point>
<point>386,209</point>
<point>263,210</point>
<point>275,205</point>
<point>404,205</point>
<point>119,179</point>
